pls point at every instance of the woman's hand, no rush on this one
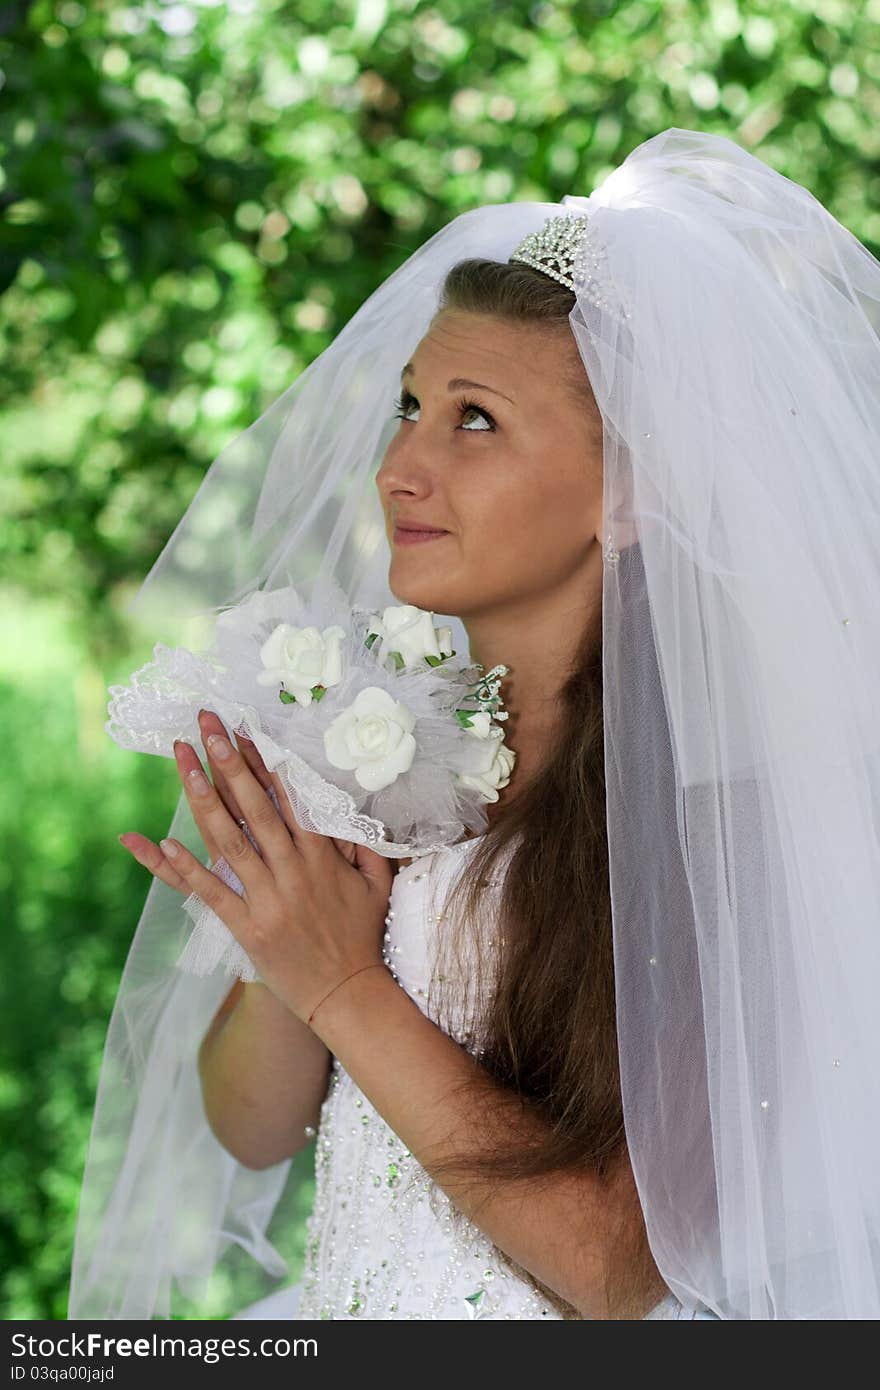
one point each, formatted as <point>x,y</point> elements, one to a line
<point>314,907</point>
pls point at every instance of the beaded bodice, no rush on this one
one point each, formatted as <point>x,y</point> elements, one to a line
<point>380,1242</point>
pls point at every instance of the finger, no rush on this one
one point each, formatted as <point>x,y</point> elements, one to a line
<point>152,858</point>
<point>186,762</point>
<point>211,723</point>
<point>374,866</point>
<point>211,890</point>
<point>346,848</point>
<point>263,821</point>
<point>215,822</point>
<point>222,834</point>
<point>302,838</point>
<point>251,755</point>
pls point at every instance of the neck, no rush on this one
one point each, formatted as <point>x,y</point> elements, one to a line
<point>540,643</point>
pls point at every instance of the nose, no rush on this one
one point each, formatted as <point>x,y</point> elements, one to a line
<point>403,473</point>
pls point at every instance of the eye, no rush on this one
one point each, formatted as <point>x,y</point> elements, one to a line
<point>465,407</point>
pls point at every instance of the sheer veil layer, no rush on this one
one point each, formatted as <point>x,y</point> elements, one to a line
<point>728,325</point>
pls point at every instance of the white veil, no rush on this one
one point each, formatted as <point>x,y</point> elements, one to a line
<point>729,328</point>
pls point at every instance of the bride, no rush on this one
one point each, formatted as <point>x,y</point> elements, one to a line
<point>508,473</point>
<point>614,1056</point>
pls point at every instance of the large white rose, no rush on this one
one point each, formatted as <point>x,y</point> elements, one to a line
<point>491,765</point>
<point>300,657</point>
<point>411,632</point>
<point>373,738</point>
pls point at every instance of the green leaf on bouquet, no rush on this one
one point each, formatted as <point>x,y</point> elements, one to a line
<point>318,692</point>
<point>368,641</point>
<point>398,660</point>
<point>438,660</point>
<point>465,717</point>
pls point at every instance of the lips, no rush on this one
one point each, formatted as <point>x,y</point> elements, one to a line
<point>416,536</point>
<point>416,526</point>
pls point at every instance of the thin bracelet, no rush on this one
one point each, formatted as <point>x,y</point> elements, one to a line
<point>342,982</point>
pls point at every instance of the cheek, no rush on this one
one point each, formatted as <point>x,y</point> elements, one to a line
<point>535,517</point>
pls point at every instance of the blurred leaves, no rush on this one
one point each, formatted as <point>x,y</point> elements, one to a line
<point>196,197</point>
<point>71,898</point>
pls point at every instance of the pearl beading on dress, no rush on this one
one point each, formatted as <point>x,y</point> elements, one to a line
<point>381,1242</point>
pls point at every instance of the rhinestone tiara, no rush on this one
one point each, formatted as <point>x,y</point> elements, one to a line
<point>568,250</point>
<point>554,248</point>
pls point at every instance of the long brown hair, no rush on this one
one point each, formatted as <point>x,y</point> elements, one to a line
<point>547,1021</point>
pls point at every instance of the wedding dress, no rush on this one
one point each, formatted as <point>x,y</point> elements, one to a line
<point>379,1239</point>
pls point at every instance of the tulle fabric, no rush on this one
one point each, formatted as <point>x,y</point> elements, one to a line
<point>170,1224</point>
<point>741,401</point>
<point>729,333</point>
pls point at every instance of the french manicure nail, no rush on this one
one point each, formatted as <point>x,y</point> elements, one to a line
<point>198,782</point>
<point>169,848</point>
<point>219,746</point>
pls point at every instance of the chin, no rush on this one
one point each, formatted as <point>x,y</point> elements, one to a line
<point>425,593</point>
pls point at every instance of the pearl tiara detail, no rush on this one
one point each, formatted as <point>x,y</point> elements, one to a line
<point>568,250</point>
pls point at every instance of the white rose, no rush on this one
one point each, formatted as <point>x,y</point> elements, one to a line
<point>481,724</point>
<point>491,769</point>
<point>300,657</point>
<point>373,738</point>
<point>411,632</point>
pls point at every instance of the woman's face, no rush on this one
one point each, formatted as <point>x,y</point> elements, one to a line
<point>514,478</point>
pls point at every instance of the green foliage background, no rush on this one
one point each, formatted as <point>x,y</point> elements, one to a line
<point>196,198</point>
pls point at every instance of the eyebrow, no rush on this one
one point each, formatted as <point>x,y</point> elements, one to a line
<point>458,383</point>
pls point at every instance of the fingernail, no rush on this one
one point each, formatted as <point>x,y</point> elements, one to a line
<point>219,746</point>
<point>198,782</point>
<point>169,848</point>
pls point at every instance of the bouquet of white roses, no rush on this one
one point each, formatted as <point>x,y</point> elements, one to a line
<point>377,737</point>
